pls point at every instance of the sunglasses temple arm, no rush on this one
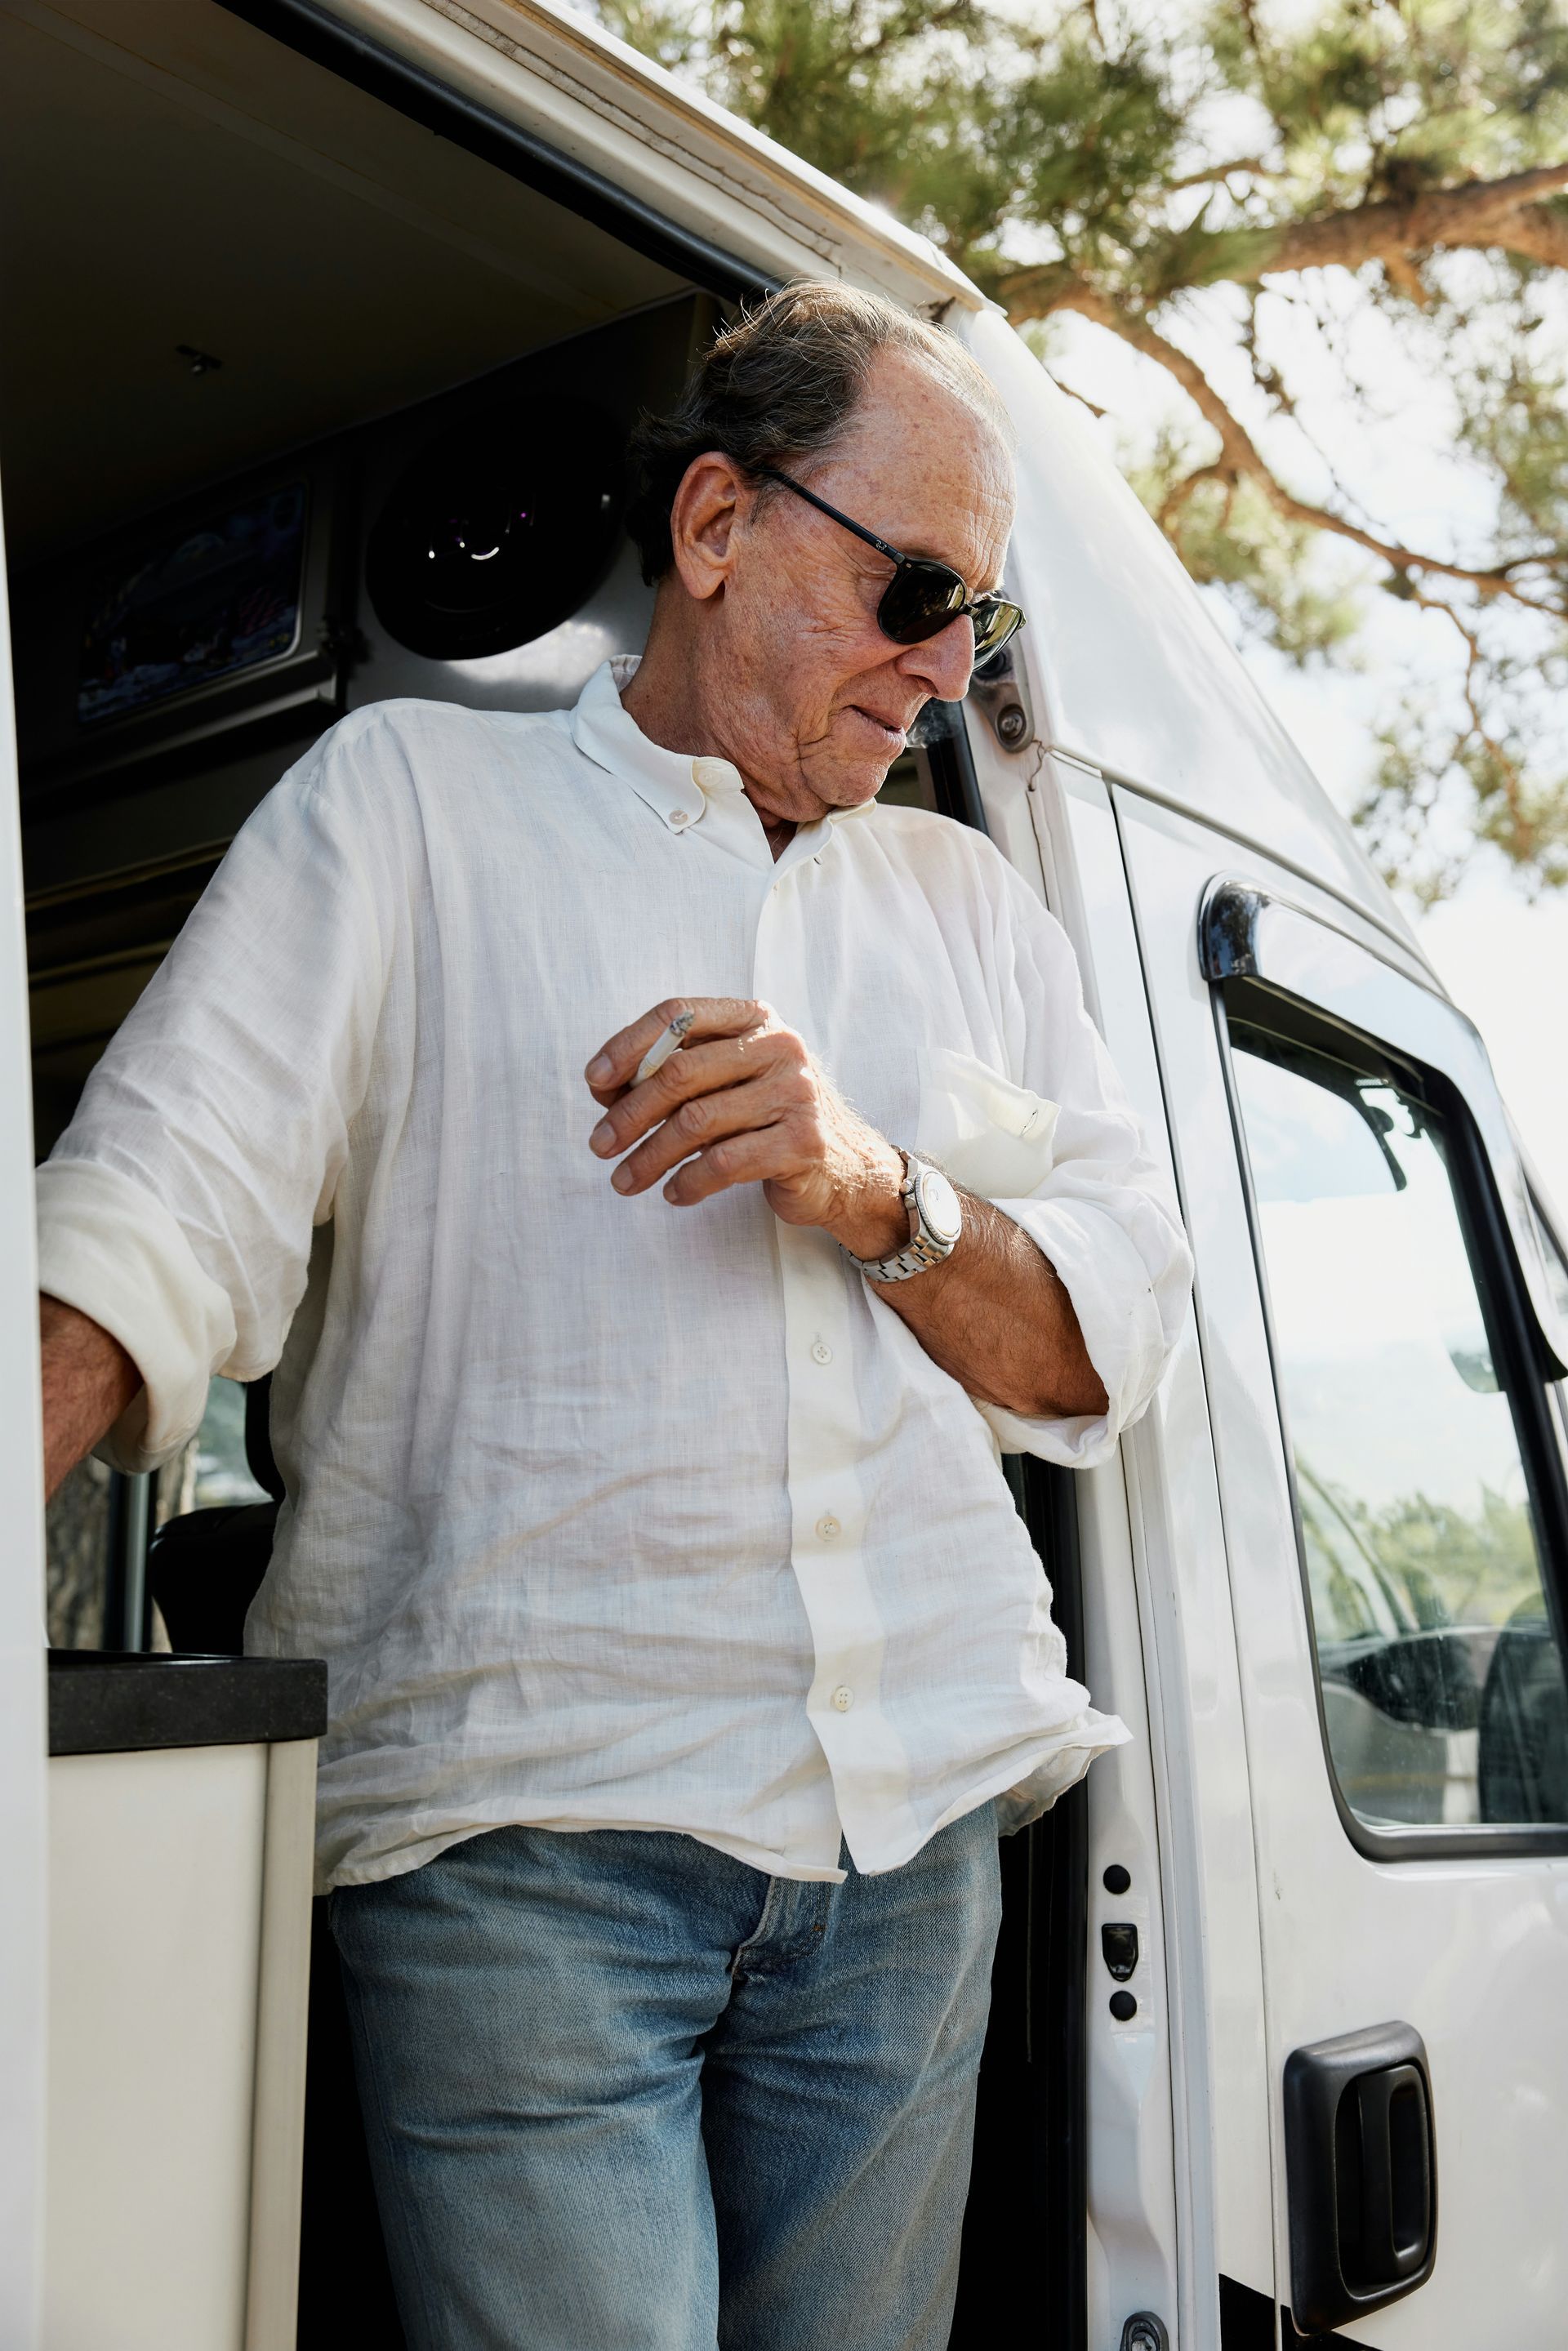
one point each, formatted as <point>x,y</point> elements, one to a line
<point>860,530</point>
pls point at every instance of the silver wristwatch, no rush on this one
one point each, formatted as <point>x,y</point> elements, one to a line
<point>935,1221</point>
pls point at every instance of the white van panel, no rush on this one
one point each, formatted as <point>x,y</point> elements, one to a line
<point>23,1739</point>
<point>1472,1951</point>
<point>1162,1653</point>
<point>1056,823</point>
<point>590,96</point>
<point>1131,671</point>
<point>1187,1644</point>
<point>1133,2240</point>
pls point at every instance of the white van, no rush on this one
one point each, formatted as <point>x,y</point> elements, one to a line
<point>1280,2045</point>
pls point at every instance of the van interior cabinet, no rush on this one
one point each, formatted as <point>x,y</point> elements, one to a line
<point>181,1816</point>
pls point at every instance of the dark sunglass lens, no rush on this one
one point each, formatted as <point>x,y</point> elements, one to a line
<point>920,599</point>
<point>996,622</point>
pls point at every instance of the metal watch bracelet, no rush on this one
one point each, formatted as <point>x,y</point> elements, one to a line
<point>930,1241</point>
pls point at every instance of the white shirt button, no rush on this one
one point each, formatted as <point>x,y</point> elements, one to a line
<point>843,1697</point>
<point>827,1527</point>
<point>679,817</point>
<point>820,1351</point>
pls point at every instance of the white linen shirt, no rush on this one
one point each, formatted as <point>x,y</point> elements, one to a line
<point>605,1513</point>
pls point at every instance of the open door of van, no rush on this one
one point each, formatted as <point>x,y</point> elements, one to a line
<point>1382,1319</point>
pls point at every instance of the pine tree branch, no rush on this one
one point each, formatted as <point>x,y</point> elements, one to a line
<point>1485,212</point>
<point>1507,768</point>
<point>1481,213</point>
<point>1540,233</point>
<point>1213,172</point>
<point>1239,456</point>
<point>908,23</point>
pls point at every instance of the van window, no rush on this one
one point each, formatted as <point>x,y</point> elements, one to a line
<point>1441,1677</point>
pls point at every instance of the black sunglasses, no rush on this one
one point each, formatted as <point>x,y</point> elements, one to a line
<point>922,597</point>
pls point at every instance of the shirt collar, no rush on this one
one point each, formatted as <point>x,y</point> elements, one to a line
<point>675,788</point>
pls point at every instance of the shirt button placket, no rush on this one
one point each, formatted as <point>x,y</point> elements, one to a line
<point>826,1424</point>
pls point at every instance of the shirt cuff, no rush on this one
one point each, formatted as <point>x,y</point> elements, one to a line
<point>1106,1278</point>
<point>112,1250</point>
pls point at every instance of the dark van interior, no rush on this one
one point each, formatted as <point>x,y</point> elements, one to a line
<point>315,385</point>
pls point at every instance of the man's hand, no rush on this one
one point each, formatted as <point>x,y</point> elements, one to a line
<point>743,1102</point>
<point>88,1379</point>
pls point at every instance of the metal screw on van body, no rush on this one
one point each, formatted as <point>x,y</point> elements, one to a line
<point>1145,2332</point>
<point>998,690</point>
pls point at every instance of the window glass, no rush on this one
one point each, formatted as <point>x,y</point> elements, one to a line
<point>908,783</point>
<point>212,1472</point>
<point>1442,1687</point>
<point>222,1473</point>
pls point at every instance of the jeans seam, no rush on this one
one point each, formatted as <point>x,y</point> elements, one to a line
<point>762,1928</point>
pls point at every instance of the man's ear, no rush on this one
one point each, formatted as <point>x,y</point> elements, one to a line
<point>713,499</point>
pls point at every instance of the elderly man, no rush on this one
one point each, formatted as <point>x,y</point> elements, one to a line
<point>686,1651</point>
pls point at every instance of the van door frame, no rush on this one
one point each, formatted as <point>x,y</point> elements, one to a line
<point>22,1724</point>
<point>314,33</point>
<point>1150,2190</point>
<point>1040,2114</point>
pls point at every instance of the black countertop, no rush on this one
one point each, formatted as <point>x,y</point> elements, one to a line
<point>107,1701</point>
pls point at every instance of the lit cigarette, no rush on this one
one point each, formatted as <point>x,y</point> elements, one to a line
<point>659,1051</point>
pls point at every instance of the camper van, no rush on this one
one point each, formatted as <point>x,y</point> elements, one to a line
<point>303,303</point>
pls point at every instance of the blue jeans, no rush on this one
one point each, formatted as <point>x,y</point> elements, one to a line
<point>624,2094</point>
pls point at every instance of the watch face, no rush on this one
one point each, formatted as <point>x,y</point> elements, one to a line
<point>938,1205</point>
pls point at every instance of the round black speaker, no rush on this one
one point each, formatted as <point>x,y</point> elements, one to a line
<point>498,530</point>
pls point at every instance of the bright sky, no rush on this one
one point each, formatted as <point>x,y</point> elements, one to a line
<point>1503,959</point>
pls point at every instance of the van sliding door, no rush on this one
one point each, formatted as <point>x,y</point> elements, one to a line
<point>1382,1341</point>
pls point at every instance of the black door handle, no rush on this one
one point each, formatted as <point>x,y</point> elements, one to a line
<point>1396,2180</point>
<point>1361,2161</point>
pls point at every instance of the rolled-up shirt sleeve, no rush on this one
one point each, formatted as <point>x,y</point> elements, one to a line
<point>1104,1213</point>
<point>177,1209</point>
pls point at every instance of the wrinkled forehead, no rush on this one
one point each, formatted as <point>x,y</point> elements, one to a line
<point>931,471</point>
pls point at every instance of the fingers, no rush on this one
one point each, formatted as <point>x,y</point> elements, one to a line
<point>614,1065</point>
<point>759,1156</point>
<point>698,1071</point>
<point>738,1103</point>
<point>705,1118</point>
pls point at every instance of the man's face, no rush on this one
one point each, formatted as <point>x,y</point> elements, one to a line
<point>819,700</point>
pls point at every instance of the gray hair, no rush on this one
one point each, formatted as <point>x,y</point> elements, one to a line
<point>783,384</point>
